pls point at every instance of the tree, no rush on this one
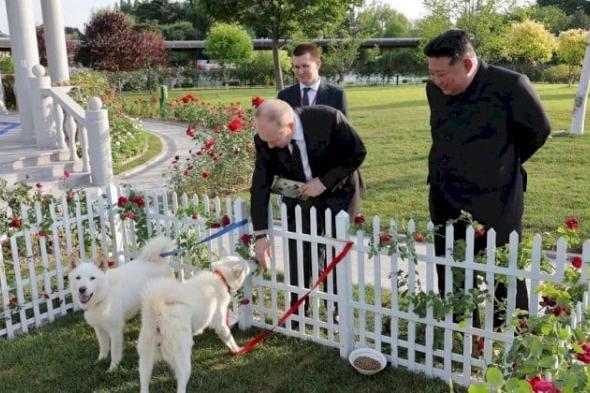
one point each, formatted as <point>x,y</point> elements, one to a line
<point>380,20</point>
<point>260,70</point>
<point>568,6</point>
<point>279,19</point>
<point>71,48</point>
<point>530,43</point>
<point>229,45</point>
<point>486,21</point>
<point>110,43</point>
<point>570,49</point>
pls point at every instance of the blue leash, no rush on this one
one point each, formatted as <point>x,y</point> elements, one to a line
<point>220,233</point>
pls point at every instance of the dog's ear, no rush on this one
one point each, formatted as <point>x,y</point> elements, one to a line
<point>236,273</point>
<point>73,260</point>
<point>102,262</point>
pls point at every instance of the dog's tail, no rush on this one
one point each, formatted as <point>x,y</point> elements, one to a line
<point>156,246</point>
<point>164,318</point>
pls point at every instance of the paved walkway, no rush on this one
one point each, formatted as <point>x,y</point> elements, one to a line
<point>174,142</point>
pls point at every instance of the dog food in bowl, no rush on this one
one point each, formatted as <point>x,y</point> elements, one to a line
<point>367,363</point>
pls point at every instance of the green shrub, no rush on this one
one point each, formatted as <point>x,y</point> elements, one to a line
<point>128,138</point>
<point>561,74</point>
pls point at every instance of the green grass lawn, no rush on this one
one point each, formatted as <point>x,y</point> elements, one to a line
<point>153,148</point>
<point>393,122</point>
<point>61,357</point>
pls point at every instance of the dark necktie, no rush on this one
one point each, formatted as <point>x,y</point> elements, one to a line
<point>305,99</point>
<point>296,163</point>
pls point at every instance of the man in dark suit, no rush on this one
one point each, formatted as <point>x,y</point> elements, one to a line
<point>313,145</point>
<point>311,89</point>
<point>486,121</point>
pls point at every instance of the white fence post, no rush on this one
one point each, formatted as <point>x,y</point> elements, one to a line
<point>42,104</point>
<point>245,310</point>
<point>99,143</point>
<point>343,273</point>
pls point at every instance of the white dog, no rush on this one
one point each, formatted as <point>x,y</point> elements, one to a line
<point>110,297</point>
<point>172,312</point>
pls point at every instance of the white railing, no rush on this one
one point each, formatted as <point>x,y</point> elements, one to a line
<point>57,117</point>
<point>373,288</point>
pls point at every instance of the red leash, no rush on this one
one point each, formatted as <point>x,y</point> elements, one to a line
<point>261,337</point>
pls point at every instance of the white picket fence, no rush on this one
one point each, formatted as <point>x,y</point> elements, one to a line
<point>33,288</point>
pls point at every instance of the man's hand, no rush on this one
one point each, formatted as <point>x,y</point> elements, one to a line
<point>262,251</point>
<point>313,188</point>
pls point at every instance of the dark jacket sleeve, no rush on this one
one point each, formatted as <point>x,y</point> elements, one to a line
<point>530,123</point>
<point>351,152</point>
<point>261,183</point>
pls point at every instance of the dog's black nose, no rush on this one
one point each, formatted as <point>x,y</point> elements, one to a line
<point>82,290</point>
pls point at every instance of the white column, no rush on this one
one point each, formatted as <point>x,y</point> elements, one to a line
<point>42,104</point>
<point>99,143</point>
<point>55,40</point>
<point>23,43</point>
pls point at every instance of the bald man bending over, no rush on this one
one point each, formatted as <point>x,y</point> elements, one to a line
<point>314,145</point>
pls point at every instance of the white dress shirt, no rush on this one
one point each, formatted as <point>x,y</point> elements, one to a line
<point>312,93</point>
<point>299,138</point>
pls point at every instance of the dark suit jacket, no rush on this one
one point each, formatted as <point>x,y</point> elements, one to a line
<point>480,139</point>
<point>327,94</point>
<point>334,151</point>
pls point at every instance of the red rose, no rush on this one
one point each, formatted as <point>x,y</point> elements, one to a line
<point>235,125</point>
<point>480,344</point>
<point>419,238</point>
<point>359,219</point>
<point>45,296</point>
<point>186,99</point>
<point>571,223</point>
<point>41,233</point>
<point>541,386</point>
<point>558,310</point>
<point>480,232</point>
<point>215,225</point>
<point>225,220</point>
<point>190,132</point>
<point>384,238</point>
<point>187,172</point>
<point>245,239</point>
<point>111,263</point>
<point>205,174</point>
<point>66,174</point>
<point>129,215</point>
<point>257,101</point>
<point>523,323</point>
<point>583,357</point>
<point>138,200</point>
<point>577,262</point>
<point>16,222</point>
<point>195,216</point>
<point>209,143</point>
<point>122,201</point>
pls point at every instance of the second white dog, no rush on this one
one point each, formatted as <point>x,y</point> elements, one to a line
<point>172,312</point>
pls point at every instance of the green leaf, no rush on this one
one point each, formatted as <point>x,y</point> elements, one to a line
<point>565,333</point>
<point>478,388</point>
<point>536,346</point>
<point>495,377</point>
<point>550,362</point>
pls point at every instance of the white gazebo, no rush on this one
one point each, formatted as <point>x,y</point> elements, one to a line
<point>50,119</point>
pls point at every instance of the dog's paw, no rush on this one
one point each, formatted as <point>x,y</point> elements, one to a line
<point>237,351</point>
<point>113,367</point>
<point>101,357</point>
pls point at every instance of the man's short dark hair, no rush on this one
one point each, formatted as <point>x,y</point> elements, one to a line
<point>452,43</point>
<point>307,47</point>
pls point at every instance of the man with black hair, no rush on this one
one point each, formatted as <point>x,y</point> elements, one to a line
<point>486,121</point>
